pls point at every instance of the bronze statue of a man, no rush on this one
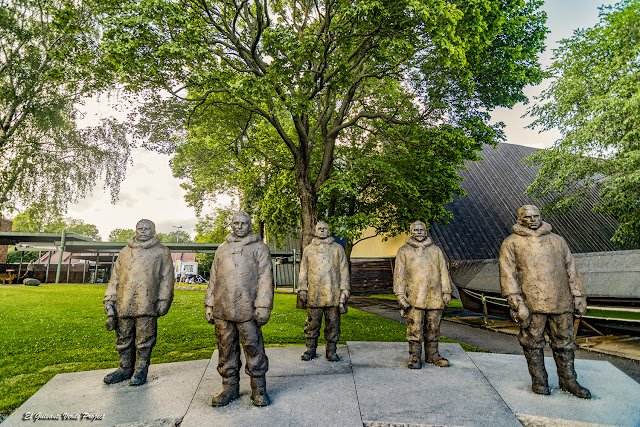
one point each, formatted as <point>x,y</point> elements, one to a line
<point>238,302</point>
<point>538,276</point>
<point>324,287</point>
<point>422,286</point>
<point>140,290</point>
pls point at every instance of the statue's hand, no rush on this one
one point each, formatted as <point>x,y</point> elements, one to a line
<point>580,306</point>
<point>162,307</point>
<point>447,299</point>
<point>523,316</point>
<point>404,302</point>
<point>303,296</point>
<point>344,296</point>
<point>261,315</point>
<point>208,314</point>
<point>519,311</point>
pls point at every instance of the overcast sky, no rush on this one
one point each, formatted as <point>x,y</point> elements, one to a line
<point>150,190</point>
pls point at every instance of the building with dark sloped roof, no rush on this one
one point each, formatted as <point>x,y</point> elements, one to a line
<point>483,218</point>
<point>495,188</point>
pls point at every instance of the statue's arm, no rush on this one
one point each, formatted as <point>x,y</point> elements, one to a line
<point>303,284</point>
<point>264,298</point>
<point>345,283</point>
<point>208,296</point>
<point>508,271</point>
<point>575,282</point>
<point>399,287</point>
<point>445,279</point>
<point>510,286</point>
<point>112,289</point>
<point>165,295</point>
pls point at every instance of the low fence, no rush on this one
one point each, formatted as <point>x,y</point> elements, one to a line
<point>74,273</point>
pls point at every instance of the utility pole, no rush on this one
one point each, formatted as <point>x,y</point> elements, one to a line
<point>177,231</point>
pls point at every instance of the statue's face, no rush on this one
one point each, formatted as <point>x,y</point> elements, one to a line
<point>530,218</point>
<point>419,232</point>
<point>241,225</point>
<point>322,230</point>
<point>145,230</point>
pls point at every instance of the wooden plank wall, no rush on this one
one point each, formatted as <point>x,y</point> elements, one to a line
<point>369,277</point>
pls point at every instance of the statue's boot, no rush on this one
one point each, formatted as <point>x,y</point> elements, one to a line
<point>310,352</point>
<point>535,362</point>
<point>331,352</point>
<point>142,367</point>
<point>431,354</point>
<point>259,395</point>
<point>124,371</point>
<point>567,374</point>
<point>415,355</point>
<point>230,391</point>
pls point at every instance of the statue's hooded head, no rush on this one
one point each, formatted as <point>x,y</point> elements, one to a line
<point>529,216</point>
<point>145,230</point>
<point>322,230</point>
<point>418,231</point>
<point>241,224</point>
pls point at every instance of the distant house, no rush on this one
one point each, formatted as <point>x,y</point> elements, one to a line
<point>495,188</point>
<point>184,263</point>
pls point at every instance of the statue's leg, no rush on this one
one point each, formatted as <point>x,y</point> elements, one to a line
<point>228,362</point>
<point>415,321</point>
<point>532,341</point>
<point>432,337</point>
<point>146,333</point>
<point>125,347</point>
<point>257,361</point>
<point>332,332</point>
<point>563,345</point>
<point>312,332</point>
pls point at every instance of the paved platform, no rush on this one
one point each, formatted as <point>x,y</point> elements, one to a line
<point>369,386</point>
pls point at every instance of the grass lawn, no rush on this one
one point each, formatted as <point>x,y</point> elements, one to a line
<point>392,297</point>
<point>50,329</point>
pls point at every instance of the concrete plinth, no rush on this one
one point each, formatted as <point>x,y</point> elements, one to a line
<point>389,392</point>
<point>313,393</point>
<point>371,385</point>
<point>164,399</point>
<point>615,397</point>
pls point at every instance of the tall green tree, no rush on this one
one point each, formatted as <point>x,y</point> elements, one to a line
<point>121,235</point>
<point>594,100</point>
<point>49,62</point>
<point>39,218</point>
<point>306,72</point>
<point>211,229</point>
<point>174,237</point>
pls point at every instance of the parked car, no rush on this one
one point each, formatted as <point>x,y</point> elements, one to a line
<point>195,279</point>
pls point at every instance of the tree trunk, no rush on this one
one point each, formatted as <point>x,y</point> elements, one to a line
<point>309,207</point>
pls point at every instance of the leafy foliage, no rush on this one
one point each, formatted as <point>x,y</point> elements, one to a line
<point>269,90</point>
<point>49,61</point>
<point>39,218</point>
<point>595,103</point>
<point>121,235</point>
<point>174,236</point>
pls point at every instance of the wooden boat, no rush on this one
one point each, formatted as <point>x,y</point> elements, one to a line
<point>611,279</point>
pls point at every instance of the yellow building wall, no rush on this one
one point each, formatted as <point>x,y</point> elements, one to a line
<point>376,248</point>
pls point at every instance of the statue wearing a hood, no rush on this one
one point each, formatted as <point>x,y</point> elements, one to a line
<point>140,290</point>
<point>539,278</point>
<point>422,286</point>
<point>324,287</point>
<point>238,302</point>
